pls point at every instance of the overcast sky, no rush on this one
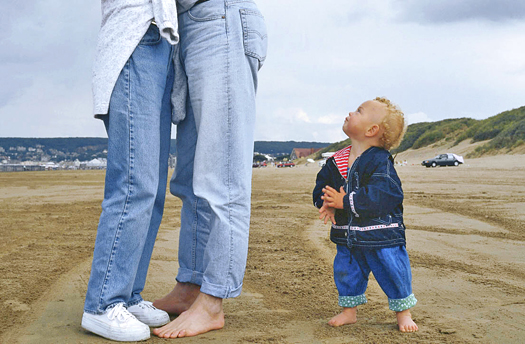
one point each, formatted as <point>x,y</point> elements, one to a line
<point>436,59</point>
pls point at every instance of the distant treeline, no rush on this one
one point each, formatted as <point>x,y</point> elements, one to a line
<point>64,144</point>
<point>76,144</point>
<point>276,147</point>
<point>504,132</point>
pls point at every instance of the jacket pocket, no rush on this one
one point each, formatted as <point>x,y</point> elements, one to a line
<point>383,220</point>
<point>255,37</point>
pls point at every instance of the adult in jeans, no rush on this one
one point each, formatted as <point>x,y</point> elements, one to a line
<point>134,79</point>
<point>222,46</point>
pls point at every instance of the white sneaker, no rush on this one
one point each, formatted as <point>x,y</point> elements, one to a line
<point>149,315</point>
<point>116,324</point>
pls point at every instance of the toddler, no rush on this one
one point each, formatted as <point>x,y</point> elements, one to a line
<point>359,191</point>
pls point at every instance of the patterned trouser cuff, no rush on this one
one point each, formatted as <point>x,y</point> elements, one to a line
<point>398,305</point>
<point>352,301</point>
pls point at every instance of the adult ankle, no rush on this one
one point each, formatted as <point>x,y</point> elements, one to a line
<point>212,303</point>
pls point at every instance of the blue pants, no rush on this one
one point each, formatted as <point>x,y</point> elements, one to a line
<point>390,266</point>
<point>139,132</point>
<point>222,46</point>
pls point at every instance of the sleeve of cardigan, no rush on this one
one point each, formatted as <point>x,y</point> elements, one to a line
<point>165,13</point>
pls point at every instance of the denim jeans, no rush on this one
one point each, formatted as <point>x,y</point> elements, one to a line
<point>390,266</point>
<point>139,128</point>
<point>222,47</point>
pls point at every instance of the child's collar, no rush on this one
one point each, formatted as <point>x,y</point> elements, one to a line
<point>341,160</point>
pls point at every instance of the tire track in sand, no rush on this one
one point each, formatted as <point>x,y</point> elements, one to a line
<point>463,269</point>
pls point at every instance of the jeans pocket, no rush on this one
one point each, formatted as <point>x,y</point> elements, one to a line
<point>206,12</point>
<point>255,37</point>
<point>152,36</point>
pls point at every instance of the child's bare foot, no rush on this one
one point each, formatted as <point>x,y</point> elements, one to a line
<point>347,316</point>
<point>204,315</point>
<point>405,322</point>
<point>179,299</point>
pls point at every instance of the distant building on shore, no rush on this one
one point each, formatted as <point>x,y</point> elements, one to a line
<point>302,152</point>
<point>95,164</point>
<point>20,168</point>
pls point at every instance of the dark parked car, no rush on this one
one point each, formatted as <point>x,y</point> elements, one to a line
<point>447,159</point>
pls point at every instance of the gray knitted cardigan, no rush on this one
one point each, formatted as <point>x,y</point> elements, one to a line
<point>124,23</point>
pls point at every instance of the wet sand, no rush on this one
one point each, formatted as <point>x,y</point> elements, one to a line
<point>466,241</point>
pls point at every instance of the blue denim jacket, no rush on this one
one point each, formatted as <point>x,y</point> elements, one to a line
<point>373,206</point>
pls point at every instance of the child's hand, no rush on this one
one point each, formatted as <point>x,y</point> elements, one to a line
<point>332,198</point>
<point>327,213</point>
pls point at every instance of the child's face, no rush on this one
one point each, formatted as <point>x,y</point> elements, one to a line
<point>358,123</point>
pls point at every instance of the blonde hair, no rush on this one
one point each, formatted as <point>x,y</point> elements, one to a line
<point>393,125</point>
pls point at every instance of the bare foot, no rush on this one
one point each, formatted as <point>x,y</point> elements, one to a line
<point>347,316</point>
<point>405,322</point>
<point>179,299</point>
<point>205,314</point>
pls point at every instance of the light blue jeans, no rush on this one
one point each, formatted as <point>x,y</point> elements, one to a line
<point>222,47</point>
<point>139,130</point>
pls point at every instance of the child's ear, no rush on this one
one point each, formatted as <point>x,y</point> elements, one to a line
<point>372,131</point>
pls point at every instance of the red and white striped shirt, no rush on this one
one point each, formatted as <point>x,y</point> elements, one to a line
<point>341,160</point>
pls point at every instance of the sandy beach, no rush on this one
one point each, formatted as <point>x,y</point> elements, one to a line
<point>465,238</point>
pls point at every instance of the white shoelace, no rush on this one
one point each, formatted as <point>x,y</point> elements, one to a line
<point>120,313</point>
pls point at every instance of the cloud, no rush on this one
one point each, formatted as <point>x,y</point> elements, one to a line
<point>448,11</point>
<point>292,115</point>
<point>331,119</point>
<point>321,64</point>
<point>50,43</point>
<point>300,115</point>
<point>417,118</point>
<point>287,124</point>
<point>58,110</point>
